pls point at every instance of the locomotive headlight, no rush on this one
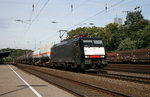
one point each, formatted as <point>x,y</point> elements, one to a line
<point>102,56</point>
<point>86,56</point>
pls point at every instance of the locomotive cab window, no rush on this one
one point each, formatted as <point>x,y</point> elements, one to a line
<point>98,43</point>
<point>95,43</point>
<point>87,42</point>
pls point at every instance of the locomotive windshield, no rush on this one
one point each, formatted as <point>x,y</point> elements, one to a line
<point>93,43</point>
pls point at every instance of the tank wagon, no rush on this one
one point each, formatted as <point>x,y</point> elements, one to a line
<point>130,56</point>
<point>36,57</point>
<point>45,53</point>
<point>41,55</point>
<point>80,53</point>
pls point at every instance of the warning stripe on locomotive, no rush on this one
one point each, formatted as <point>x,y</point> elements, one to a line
<point>42,54</point>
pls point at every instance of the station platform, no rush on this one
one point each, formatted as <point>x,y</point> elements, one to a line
<point>16,83</point>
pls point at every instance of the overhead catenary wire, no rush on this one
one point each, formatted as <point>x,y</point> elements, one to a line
<point>37,3</point>
<point>34,6</point>
<point>100,12</point>
<point>83,3</point>
<point>33,20</point>
<point>105,9</point>
<point>73,8</point>
<point>40,11</point>
<point>38,14</point>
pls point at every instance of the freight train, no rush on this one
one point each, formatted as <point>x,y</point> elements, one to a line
<point>79,54</point>
<point>130,56</point>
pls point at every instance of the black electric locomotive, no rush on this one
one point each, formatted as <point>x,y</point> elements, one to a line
<point>79,53</point>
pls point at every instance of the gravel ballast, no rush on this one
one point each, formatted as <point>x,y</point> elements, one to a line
<point>126,87</point>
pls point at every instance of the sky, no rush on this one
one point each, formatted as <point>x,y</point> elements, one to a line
<point>33,24</point>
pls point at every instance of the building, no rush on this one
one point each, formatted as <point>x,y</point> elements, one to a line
<point>118,20</point>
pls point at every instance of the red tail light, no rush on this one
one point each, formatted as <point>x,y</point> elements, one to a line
<point>95,56</point>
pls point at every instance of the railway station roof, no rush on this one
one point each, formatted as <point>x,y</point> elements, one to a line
<point>4,54</point>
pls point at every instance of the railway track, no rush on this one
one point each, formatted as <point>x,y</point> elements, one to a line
<point>78,88</point>
<point>142,80</point>
<point>133,68</point>
<point>128,70</point>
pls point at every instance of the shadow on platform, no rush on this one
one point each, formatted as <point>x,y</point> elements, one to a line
<point>23,87</point>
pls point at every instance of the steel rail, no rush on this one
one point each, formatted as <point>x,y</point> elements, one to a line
<point>136,79</point>
<point>108,91</point>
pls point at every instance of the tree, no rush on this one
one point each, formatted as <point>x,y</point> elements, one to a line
<point>111,36</point>
<point>14,53</point>
<point>133,17</point>
<point>143,37</point>
<point>134,22</point>
<point>135,33</point>
<point>122,32</point>
<point>127,44</point>
<point>90,31</point>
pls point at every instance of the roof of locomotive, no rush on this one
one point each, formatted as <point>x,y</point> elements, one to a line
<point>75,39</point>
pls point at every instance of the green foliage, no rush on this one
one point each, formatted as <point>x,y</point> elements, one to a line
<point>90,31</point>
<point>134,34</point>
<point>133,17</point>
<point>134,22</point>
<point>127,44</point>
<point>143,37</point>
<point>111,36</point>
<point>14,54</point>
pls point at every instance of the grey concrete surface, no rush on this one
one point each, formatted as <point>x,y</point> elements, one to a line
<point>12,86</point>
